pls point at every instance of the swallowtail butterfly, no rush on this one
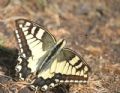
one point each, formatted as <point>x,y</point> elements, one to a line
<point>43,61</point>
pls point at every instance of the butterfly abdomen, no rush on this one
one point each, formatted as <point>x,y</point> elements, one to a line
<point>52,54</point>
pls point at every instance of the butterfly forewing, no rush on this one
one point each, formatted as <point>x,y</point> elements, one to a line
<point>70,67</point>
<point>33,36</point>
<point>33,41</point>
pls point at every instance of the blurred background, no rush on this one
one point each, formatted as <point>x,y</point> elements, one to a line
<point>90,27</point>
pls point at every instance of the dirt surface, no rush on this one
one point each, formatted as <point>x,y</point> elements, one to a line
<point>90,27</point>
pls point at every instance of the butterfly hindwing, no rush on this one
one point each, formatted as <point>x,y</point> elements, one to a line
<point>67,67</point>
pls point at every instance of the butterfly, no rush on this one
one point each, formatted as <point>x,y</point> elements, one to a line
<point>45,62</point>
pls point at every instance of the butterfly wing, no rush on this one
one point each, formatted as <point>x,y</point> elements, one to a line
<point>70,67</point>
<point>34,41</point>
<point>67,67</point>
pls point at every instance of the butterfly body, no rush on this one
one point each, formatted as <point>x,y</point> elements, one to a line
<point>43,61</point>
